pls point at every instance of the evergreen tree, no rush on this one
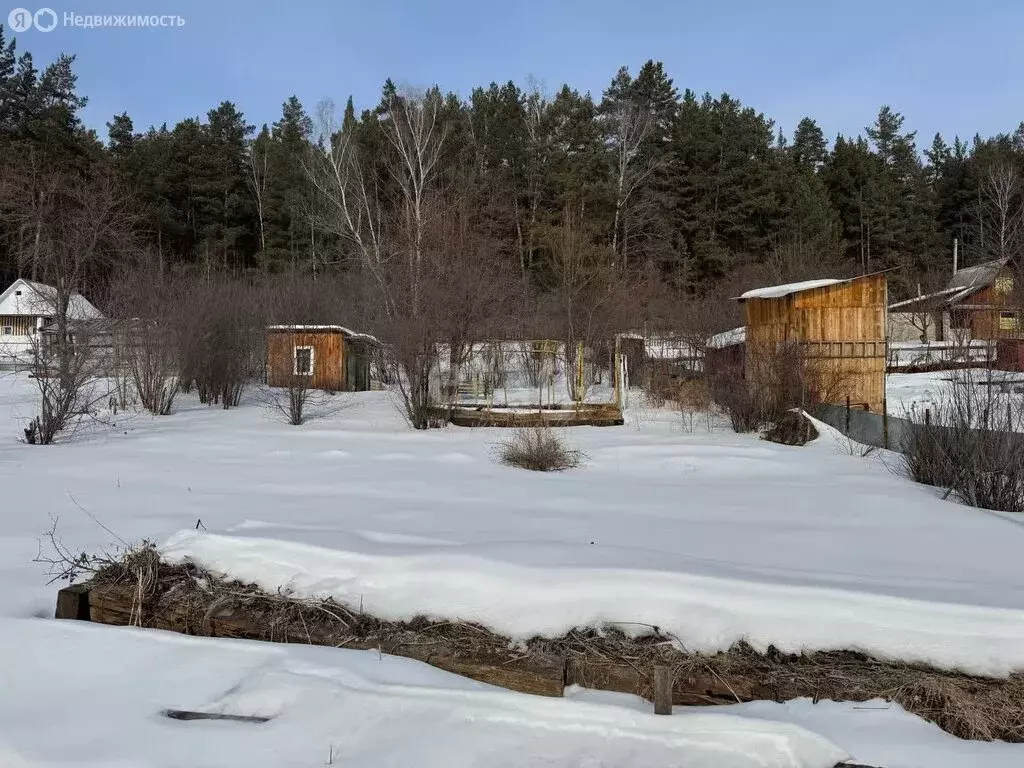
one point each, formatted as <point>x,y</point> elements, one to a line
<point>809,148</point>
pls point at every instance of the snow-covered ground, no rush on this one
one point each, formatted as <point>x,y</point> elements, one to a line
<point>82,695</point>
<point>715,535</point>
<point>908,392</point>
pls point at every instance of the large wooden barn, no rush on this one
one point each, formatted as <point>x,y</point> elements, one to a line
<point>328,357</point>
<point>840,328</point>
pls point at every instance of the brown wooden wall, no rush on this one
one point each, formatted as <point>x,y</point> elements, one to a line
<point>841,329</point>
<point>328,358</point>
<point>985,323</point>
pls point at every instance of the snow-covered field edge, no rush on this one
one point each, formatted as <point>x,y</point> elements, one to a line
<point>705,613</point>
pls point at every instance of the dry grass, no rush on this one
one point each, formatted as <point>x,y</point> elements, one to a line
<point>188,599</point>
<point>540,449</point>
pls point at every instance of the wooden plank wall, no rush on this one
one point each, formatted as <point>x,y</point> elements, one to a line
<point>842,328</point>
<point>328,358</point>
<point>22,325</point>
<point>985,323</point>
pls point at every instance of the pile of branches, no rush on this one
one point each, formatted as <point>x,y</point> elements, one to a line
<point>139,589</point>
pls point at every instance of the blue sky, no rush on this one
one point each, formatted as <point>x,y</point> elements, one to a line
<point>949,67</point>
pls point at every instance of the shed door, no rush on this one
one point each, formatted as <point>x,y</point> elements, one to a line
<point>356,369</point>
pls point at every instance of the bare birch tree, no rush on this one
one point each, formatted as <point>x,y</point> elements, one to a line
<point>387,234</point>
<point>258,161</point>
<point>1001,213</point>
<point>629,128</point>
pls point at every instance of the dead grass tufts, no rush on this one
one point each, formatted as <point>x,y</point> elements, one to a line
<point>540,449</point>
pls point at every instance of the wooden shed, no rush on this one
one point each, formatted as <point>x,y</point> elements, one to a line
<point>840,327</point>
<point>329,357</point>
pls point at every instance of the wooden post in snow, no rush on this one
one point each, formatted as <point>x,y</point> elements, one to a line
<point>885,423</point>
<point>847,415</point>
<point>662,690</point>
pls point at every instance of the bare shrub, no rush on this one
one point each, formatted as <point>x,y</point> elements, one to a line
<point>298,402</point>
<point>736,397</point>
<point>759,391</point>
<point>691,398</point>
<point>147,344</point>
<point>221,336</point>
<point>67,375</point>
<point>970,444</point>
<point>539,449</point>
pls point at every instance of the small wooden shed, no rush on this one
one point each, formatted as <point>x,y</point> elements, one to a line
<point>328,357</point>
<point>840,326</point>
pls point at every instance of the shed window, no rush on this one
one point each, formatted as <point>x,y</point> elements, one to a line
<point>303,361</point>
<point>1004,284</point>
<point>1008,321</point>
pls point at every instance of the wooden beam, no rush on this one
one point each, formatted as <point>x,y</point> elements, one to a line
<point>73,603</point>
<point>184,714</point>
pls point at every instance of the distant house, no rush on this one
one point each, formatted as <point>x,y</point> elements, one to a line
<point>838,324</point>
<point>978,303</point>
<point>329,357</point>
<point>978,309</point>
<point>26,307</point>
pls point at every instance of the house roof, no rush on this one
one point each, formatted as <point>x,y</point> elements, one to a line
<point>39,300</point>
<point>964,283</point>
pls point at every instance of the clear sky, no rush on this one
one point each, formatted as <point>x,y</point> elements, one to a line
<point>954,67</point>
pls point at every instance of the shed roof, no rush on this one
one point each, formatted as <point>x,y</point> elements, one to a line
<point>325,329</point>
<point>728,338</point>
<point>778,291</point>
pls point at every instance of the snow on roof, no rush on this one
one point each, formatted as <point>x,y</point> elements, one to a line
<point>40,299</point>
<point>728,338</point>
<point>335,328</point>
<point>778,291</point>
<point>926,298</point>
<point>962,284</point>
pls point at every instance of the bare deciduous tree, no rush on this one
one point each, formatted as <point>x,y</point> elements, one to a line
<point>258,161</point>
<point>76,237</point>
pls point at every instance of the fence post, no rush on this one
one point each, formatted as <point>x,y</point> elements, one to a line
<point>847,415</point>
<point>927,417</point>
<point>662,690</point>
<point>885,423</point>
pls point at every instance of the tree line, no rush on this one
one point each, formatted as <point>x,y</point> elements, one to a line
<point>684,191</point>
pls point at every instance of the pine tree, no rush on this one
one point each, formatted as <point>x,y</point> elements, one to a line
<point>222,203</point>
<point>723,157</point>
<point>809,148</point>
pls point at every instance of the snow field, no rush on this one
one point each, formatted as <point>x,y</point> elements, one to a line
<point>723,535</point>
